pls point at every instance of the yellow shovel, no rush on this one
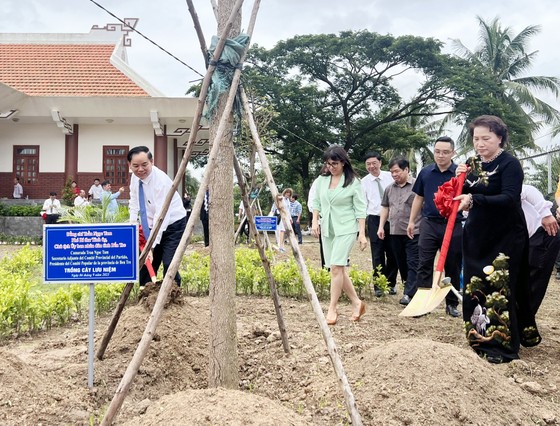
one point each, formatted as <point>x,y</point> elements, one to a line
<point>427,299</point>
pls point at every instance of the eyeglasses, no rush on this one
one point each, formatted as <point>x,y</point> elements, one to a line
<point>333,164</point>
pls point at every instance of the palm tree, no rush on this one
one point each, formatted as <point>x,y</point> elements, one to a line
<point>504,54</point>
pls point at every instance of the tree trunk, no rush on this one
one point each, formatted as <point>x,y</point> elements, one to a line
<point>223,368</point>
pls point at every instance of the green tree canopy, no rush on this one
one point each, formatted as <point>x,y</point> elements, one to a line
<point>342,89</point>
<point>506,57</point>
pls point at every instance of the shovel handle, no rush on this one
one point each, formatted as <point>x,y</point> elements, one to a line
<point>151,271</point>
<point>450,225</point>
<point>147,262</point>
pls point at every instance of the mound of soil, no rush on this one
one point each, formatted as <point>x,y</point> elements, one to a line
<point>217,407</point>
<point>402,371</point>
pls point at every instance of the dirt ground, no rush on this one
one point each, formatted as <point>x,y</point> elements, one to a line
<point>402,371</point>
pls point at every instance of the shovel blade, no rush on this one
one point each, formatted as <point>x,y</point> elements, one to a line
<point>417,305</point>
<point>427,299</point>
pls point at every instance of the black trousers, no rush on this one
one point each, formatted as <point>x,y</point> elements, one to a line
<point>51,219</point>
<point>543,250</point>
<point>431,237</point>
<point>297,229</point>
<point>381,251</point>
<point>206,231</point>
<point>406,254</point>
<point>245,229</point>
<point>165,250</point>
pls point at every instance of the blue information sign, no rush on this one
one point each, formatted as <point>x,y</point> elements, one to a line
<point>93,253</point>
<point>265,223</point>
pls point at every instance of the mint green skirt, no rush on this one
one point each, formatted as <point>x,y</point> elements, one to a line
<point>337,249</point>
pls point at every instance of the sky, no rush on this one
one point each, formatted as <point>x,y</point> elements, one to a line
<point>168,23</point>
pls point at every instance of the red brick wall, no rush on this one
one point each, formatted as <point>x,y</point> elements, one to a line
<point>49,182</point>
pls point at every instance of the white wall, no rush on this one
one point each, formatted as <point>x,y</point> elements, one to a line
<point>48,136</point>
<point>93,137</point>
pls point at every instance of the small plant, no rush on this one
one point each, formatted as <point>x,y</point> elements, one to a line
<point>380,281</point>
<point>362,279</point>
<point>95,213</point>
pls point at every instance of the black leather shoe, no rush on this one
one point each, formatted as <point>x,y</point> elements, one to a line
<point>405,300</point>
<point>392,291</point>
<point>452,310</point>
<point>378,293</point>
<point>495,359</point>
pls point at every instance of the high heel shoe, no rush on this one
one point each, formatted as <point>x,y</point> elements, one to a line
<point>356,318</point>
<point>332,322</point>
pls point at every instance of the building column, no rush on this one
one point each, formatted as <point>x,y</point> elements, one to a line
<point>160,150</point>
<point>71,157</point>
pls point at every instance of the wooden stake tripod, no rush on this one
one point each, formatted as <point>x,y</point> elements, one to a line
<point>132,369</point>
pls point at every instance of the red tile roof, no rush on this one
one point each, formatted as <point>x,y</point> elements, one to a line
<point>64,70</point>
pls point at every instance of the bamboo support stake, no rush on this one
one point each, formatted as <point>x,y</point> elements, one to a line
<point>327,336</point>
<point>114,321</point>
<point>198,29</point>
<point>242,219</point>
<point>264,259</point>
<point>168,281</point>
<point>178,177</point>
<point>195,126</point>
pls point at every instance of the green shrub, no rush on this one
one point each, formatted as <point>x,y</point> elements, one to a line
<point>21,239</point>
<point>250,276</point>
<point>20,210</point>
<point>27,305</point>
<point>195,274</point>
<point>105,296</point>
<point>361,279</point>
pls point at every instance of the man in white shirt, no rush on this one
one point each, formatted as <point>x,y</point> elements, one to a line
<point>18,189</point>
<point>81,200</point>
<point>544,243</point>
<point>51,206</point>
<point>374,184</point>
<point>95,191</point>
<point>155,185</point>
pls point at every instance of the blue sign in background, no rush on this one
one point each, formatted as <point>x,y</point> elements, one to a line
<point>90,253</point>
<point>265,223</point>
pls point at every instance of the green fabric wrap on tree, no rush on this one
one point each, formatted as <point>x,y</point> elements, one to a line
<point>223,75</point>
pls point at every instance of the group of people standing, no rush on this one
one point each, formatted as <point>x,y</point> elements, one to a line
<point>505,242</point>
<point>288,200</point>
<point>99,193</point>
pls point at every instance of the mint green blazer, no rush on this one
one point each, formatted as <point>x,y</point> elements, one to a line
<point>339,208</point>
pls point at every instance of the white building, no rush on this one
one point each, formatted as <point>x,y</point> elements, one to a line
<point>70,106</point>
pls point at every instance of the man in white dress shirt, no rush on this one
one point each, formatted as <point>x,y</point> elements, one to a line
<point>52,208</point>
<point>374,184</point>
<point>156,185</point>
<point>544,243</point>
<point>81,199</point>
<point>95,191</point>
